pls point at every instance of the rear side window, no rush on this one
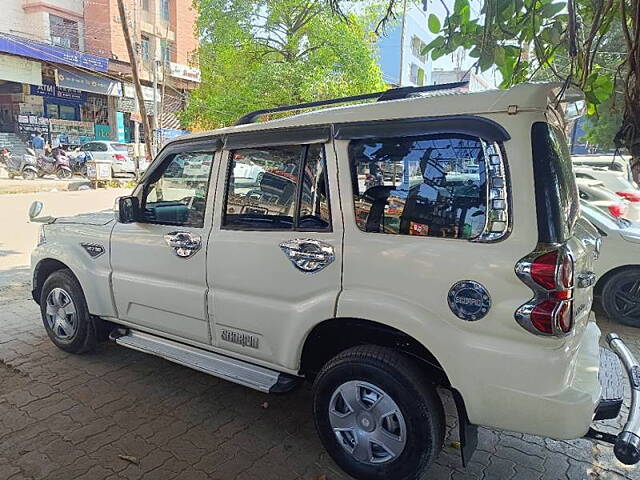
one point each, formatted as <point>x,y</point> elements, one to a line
<point>278,188</point>
<point>557,199</point>
<point>430,185</point>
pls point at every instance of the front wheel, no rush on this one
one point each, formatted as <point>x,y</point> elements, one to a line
<point>376,414</point>
<point>621,297</point>
<point>65,314</point>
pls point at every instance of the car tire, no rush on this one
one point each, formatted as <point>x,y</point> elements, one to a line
<point>351,397</point>
<point>65,313</point>
<point>620,297</point>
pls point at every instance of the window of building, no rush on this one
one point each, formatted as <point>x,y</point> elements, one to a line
<point>431,185</point>
<point>417,47</point>
<point>278,188</point>
<point>166,49</point>
<point>145,48</point>
<point>164,9</point>
<point>413,74</point>
<point>145,5</point>
<point>178,194</point>
<point>64,32</point>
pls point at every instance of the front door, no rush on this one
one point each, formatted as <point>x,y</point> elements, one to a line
<point>159,262</point>
<point>275,255</point>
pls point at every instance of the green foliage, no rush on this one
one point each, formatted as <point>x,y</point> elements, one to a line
<point>601,128</point>
<point>523,38</point>
<point>257,54</point>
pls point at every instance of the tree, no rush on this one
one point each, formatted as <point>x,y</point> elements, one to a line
<point>257,54</point>
<point>522,38</point>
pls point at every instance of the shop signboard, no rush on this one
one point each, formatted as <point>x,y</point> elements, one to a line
<point>120,127</point>
<point>88,82</point>
<point>20,70</point>
<point>51,90</point>
<point>184,72</point>
<point>25,47</point>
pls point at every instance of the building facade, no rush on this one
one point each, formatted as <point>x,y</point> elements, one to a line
<point>476,81</point>
<point>65,71</point>
<point>400,56</point>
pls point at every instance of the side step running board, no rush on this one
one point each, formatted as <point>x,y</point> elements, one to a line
<point>237,371</point>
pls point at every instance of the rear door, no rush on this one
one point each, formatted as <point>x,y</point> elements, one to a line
<point>275,253</point>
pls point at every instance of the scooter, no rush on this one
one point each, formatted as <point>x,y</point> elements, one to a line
<point>78,162</point>
<point>57,164</point>
<point>26,168</point>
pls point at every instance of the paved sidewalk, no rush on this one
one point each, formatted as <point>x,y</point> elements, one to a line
<point>121,414</point>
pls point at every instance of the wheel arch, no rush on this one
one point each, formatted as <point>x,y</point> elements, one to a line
<point>43,269</point>
<point>335,335</point>
<point>605,278</point>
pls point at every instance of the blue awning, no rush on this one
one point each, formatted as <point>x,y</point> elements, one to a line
<point>50,53</point>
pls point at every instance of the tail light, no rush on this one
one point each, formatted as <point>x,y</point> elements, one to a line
<point>550,274</point>
<point>118,157</point>
<point>618,210</point>
<point>631,196</point>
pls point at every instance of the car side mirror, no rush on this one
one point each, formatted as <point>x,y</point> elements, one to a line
<point>128,209</point>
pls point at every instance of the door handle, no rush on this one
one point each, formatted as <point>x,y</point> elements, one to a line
<point>308,255</point>
<point>184,244</point>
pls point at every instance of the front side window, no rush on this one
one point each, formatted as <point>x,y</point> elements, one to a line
<point>431,185</point>
<point>278,188</point>
<point>177,194</point>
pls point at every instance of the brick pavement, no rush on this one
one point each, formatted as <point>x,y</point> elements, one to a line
<point>121,414</point>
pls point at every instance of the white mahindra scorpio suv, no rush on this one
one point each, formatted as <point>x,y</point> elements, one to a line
<point>378,250</point>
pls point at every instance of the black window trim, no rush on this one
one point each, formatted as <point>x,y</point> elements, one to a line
<point>473,125</point>
<point>304,151</point>
<point>278,137</point>
<point>166,155</point>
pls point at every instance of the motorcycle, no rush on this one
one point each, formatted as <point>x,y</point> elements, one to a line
<point>57,164</point>
<point>78,162</point>
<point>26,168</point>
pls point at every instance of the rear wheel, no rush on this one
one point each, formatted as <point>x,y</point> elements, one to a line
<point>621,297</point>
<point>28,174</point>
<point>376,414</point>
<point>65,314</point>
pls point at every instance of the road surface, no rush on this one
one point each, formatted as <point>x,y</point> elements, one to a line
<point>18,235</point>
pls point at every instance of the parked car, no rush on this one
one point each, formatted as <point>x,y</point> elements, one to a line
<point>115,152</point>
<point>378,294</point>
<point>595,192</point>
<point>616,163</point>
<point>615,181</point>
<point>618,267</point>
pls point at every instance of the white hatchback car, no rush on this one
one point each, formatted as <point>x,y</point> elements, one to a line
<point>461,262</point>
<point>115,152</point>
<point>618,267</point>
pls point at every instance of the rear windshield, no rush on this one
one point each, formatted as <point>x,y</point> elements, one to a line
<point>120,147</point>
<point>557,200</point>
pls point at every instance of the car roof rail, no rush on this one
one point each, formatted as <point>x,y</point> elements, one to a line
<point>391,94</point>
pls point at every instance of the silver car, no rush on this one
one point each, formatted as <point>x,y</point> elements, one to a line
<point>597,194</point>
<point>115,152</point>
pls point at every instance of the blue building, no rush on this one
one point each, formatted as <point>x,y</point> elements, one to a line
<point>416,68</point>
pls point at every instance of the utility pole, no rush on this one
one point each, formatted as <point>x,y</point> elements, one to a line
<point>136,79</point>
<point>402,39</point>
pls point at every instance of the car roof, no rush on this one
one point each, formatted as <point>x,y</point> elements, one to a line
<point>526,96</point>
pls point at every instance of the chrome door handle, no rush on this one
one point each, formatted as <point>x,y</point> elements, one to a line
<point>586,280</point>
<point>184,244</point>
<point>308,255</point>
